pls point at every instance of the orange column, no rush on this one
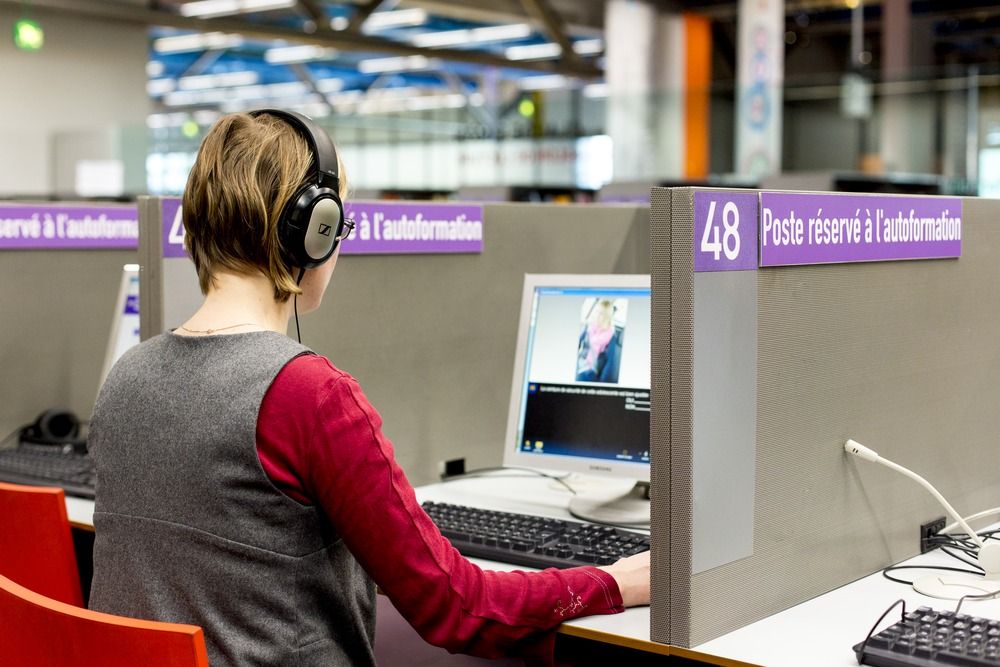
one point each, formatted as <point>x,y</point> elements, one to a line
<point>697,81</point>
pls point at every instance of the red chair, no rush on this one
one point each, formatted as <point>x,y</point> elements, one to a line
<point>40,631</point>
<point>36,545</point>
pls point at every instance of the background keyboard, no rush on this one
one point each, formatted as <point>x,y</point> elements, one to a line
<point>49,465</point>
<point>532,541</point>
<point>928,638</point>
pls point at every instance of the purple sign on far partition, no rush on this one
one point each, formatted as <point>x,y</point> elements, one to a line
<point>725,231</point>
<point>173,228</point>
<point>67,226</point>
<point>387,227</point>
<point>382,227</point>
<point>800,228</point>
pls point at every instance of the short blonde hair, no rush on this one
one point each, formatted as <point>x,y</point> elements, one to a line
<point>247,169</point>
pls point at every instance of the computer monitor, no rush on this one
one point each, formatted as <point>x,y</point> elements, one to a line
<point>581,388</point>
<point>124,319</point>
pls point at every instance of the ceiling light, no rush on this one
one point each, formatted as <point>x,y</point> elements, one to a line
<point>588,47</point>
<point>548,50</point>
<point>298,54</point>
<point>545,82</point>
<point>396,64</point>
<point>196,41</point>
<point>534,51</point>
<point>596,90</point>
<point>394,19</point>
<point>157,87</point>
<point>331,85</point>
<point>495,33</point>
<point>222,80</point>
<point>209,8</point>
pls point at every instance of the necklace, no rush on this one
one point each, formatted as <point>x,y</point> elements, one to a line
<point>209,332</point>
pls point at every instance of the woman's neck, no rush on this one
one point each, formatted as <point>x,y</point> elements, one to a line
<point>240,303</point>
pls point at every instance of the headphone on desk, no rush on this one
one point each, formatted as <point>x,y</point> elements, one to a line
<point>313,219</point>
<point>53,427</point>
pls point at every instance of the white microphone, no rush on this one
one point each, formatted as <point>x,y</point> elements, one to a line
<point>951,586</point>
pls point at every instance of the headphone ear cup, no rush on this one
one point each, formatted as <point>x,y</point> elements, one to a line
<point>309,226</point>
<point>53,426</point>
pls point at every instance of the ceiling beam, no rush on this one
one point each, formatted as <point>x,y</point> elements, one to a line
<point>361,15</point>
<point>544,14</point>
<point>305,77</point>
<point>314,11</point>
<point>203,62</point>
<point>342,39</point>
<point>495,12</point>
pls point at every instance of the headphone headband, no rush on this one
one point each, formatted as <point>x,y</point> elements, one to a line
<point>312,220</point>
<point>320,145</point>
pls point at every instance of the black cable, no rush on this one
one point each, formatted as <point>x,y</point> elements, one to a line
<point>295,305</point>
<point>984,596</point>
<point>864,644</point>
<point>963,560</point>
<point>943,568</point>
<point>480,472</point>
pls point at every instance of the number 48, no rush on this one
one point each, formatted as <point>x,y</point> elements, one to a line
<point>730,243</point>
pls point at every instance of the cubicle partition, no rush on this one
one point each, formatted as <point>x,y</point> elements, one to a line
<point>60,271</point>
<point>782,326</point>
<point>428,332</point>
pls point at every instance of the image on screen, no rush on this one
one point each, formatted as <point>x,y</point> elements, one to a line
<point>599,348</point>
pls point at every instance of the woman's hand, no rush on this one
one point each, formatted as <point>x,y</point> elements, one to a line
<point>632,575</point>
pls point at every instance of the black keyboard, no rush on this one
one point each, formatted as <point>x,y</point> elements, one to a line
<point>49,465</point>
<point>532,541</point>
<point>929,638</point>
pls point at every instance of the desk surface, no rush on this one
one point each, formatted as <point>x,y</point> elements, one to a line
<point>822,630</point>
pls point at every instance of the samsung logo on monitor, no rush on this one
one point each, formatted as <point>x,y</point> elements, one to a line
<point>601,468</point>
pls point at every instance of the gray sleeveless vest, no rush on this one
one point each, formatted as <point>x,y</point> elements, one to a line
<point>190,529</point>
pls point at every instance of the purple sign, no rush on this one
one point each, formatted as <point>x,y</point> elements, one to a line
<point>799,228</point>
<point>67,226</point>
<point>173,228</point>
<point>725,231</point>
<point>132,304</point>
<point>381,228</point>
<point>413,227</point>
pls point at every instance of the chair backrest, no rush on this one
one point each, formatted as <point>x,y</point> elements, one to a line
<point>36,545</point>
<point>40,631</point>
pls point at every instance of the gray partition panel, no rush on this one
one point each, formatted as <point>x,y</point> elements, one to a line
<point>902,356</point>
<point>56,309</point>
<point>150,267</point>
<point>660,422</point>
<point>431,337</point>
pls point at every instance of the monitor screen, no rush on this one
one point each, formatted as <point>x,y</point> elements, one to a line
<point>124,320</point>
<point>581,386</point>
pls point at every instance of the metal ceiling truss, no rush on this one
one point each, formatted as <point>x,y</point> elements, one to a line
<point>344,40</point>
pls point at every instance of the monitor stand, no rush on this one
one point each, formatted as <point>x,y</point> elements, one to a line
<point>628,509</point>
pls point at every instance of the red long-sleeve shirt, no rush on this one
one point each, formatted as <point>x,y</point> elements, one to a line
<point>320,441</point>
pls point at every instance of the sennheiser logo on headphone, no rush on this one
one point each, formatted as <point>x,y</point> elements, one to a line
<point>324,230</point>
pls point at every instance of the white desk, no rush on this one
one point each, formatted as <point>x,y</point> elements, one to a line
<point>826,627</point>
<point>819,632</point>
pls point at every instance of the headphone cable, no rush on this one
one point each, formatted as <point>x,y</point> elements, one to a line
<point>295,305</point>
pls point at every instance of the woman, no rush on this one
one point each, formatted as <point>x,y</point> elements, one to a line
<point>244,483</point>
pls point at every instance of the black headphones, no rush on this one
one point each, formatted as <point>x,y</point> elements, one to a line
<point>53,427</point>
<point>313,218</point>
